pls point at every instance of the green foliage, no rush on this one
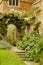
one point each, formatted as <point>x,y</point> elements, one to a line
<point>37,64</point>
<point>31,37</point>
<point>18,19</point>
<point>36,9</point>
<point>12,18</point>
<point>31,16</point>
<point>19,44</point>
<point>34,48</point>
<point>33,44</point>
<point>36,26</point>
<point>22,44</point>
<point>41,57</point>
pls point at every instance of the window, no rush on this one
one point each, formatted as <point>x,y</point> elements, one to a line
<point>13,2</point>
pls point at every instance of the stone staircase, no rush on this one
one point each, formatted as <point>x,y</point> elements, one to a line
<point>21,54</point>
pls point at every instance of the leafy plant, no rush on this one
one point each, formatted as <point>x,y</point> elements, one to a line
<point>12,18</point>
<point>33,44</point>
<point>36,9</point>
<point>17,18</point>
<point>34,48</point>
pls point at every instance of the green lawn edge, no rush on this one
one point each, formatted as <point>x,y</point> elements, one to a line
<point>8,57</point>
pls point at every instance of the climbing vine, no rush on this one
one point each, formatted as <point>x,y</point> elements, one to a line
<point>11,19</point>
<point>19,19</point>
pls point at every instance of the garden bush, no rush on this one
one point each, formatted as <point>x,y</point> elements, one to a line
<point>33,44</point>
<point>26,40</point>
<point>22,44</point>
<point>14,18</point>
<point>34,48</point>
<point>4,45</point>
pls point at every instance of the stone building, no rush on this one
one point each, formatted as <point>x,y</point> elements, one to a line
<point>40,14</point>
<point>23,5</point>
<point>8,5</point>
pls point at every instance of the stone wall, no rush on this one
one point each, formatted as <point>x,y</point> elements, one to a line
<point>22,5</point>
<point>40,17</point>
<point>1,7</point>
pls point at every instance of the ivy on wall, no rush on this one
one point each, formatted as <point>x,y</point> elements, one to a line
<point>11,19</point>
<point>19,19</point>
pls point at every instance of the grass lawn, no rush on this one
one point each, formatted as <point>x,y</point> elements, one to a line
<point>8,57</point>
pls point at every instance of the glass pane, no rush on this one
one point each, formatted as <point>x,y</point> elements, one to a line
<point>10,2</point>
<point>13,2</point>
<point>16,2</point>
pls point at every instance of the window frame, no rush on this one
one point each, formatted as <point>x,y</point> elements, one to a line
<point>15,4</point>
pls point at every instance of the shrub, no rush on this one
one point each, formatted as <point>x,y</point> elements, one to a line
<point>33,44</point>
<point>26,40</point>
<point>19,44</point>
<point>35,48</point>
<point>22,44</point>
<point>15,41</point>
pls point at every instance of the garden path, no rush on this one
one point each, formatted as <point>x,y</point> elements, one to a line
<point>21,55</point>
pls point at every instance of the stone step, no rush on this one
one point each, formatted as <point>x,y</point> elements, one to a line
<point>24,59</point>
<point>21,54</point>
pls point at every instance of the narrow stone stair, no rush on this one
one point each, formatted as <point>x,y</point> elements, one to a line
<point>21,54</point>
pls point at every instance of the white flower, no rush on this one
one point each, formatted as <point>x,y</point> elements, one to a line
<point>26,19</point>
